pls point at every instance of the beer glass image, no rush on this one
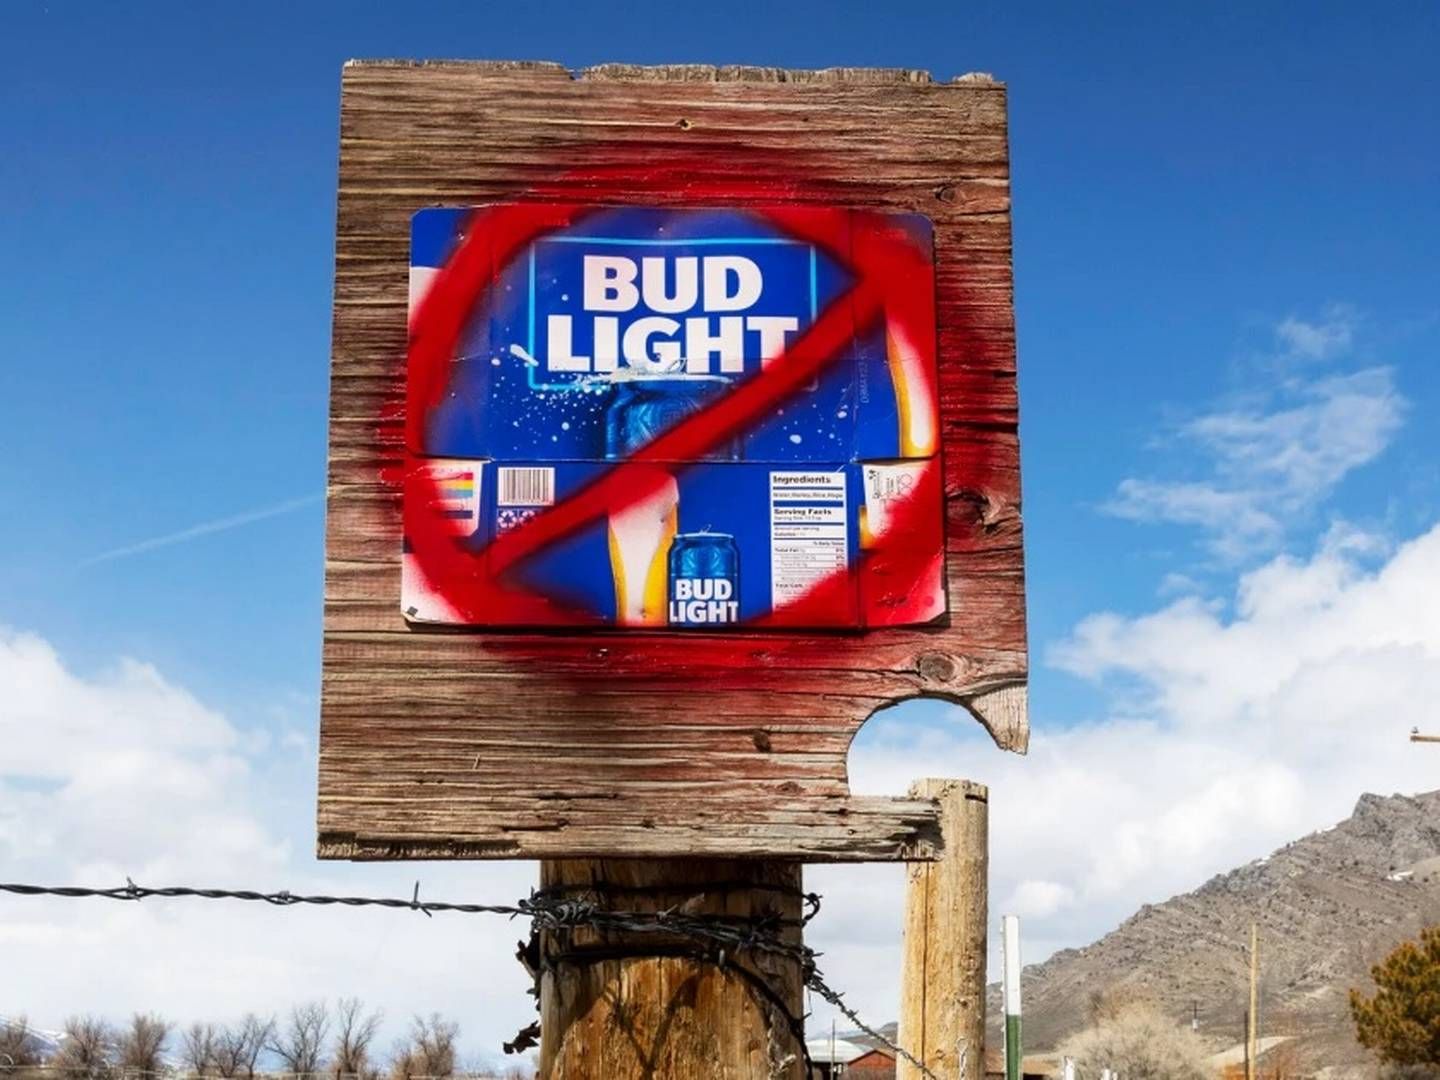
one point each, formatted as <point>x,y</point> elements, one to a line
<point>640,537</point>
<point>704,579</point>
<point>914,395</point>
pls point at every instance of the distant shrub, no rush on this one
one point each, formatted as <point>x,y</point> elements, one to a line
<point>1140,1043</point>
<point>1401,1022</point>
<point>1410,1072</point>
<point>140,1047</point>
<point>18,1047</point>
<point>87,1052</point>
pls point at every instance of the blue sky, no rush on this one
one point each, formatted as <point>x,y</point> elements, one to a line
<point>1227,293</point>
<point>1181,181</point>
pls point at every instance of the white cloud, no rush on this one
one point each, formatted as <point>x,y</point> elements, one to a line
<point>1301,452</point>
<point>1177,584</point>
<point>1038,899</point>
<point>1232,729</point>
<point>1332,334</point>
<point>1237,517</point>
<point>1271,458</point>
<point>89,763</point>
<point>124,773</point>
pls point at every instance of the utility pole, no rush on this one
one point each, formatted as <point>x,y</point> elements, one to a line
<point>1252,1024</point>
<point>942,996</point>
<point>1010,946</point>
<point>624,1005</point>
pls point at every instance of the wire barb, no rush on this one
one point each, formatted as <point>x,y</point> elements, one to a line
<point>415,902</point>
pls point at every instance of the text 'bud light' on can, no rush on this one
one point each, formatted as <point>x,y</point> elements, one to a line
<point>704,579</point>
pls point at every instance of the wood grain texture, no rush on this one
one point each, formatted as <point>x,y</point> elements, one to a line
<point>942,983</point>
<point>612,1009</point>
<point>545,745</point>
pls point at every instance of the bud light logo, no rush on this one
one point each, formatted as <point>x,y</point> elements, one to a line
<point>597,336</point>
<point>701,601</point>
<point>700,294</point>
<point>667,314</point>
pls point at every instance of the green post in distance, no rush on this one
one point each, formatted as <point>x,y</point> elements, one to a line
<point>1010,946</point>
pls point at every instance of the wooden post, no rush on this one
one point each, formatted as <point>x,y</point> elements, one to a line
<point>615,1006</point>
<point>942,995</point>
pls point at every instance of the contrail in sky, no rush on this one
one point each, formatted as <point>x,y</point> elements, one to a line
<point>205,528</point>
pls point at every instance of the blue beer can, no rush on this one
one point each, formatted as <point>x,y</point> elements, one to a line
<point>644,407</point>
<point>704,579</point>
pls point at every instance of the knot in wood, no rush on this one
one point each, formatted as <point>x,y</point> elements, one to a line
<point>936,667</point>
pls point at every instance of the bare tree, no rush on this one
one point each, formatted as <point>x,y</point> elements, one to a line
<point>301,1043</point>
<point>238,1047</point>
<point>229,1051</point>
<point>355,1031</point>
<point>18,1048</point>
<point>429,1049</point>
<point>142,1045</point>
<point>433,1045</point>
<point>87,1050</point>
<point>402,1061</point>
<point>257,1034</point>
<point>197,1048</point>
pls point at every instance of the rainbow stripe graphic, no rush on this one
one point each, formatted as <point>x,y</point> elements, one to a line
<point>455,492</point>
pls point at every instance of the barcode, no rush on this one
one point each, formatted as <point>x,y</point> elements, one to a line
<point>525,487</point>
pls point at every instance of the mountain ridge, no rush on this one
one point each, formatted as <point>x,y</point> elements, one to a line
<point>1328,905</point>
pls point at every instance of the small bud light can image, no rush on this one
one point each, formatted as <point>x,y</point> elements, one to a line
<point>704,579</point>
<point>645,406</point>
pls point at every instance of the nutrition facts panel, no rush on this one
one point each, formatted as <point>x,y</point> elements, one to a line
<point>808,531</point>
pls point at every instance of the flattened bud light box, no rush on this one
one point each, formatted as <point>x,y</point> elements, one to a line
<point>657,418</point>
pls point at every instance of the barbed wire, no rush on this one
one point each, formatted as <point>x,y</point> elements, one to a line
<point>283,898</point>
<point>718,939</point>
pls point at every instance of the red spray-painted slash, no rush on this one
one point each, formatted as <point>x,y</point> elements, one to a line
<point>885,262</point>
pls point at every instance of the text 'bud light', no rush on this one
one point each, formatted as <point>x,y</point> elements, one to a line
<point>704,578</point>
<point>643,293</point>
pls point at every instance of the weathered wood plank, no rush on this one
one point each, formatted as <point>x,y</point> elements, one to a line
<point>942,986</point>
<point>542,745</point>
<point>823,829</point>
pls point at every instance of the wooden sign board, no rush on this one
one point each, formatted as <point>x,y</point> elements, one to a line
<point>473,743</point>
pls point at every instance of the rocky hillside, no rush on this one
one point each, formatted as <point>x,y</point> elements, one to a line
<point>1329,906</point>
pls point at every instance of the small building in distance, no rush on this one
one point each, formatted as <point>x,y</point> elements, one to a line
<point>1032,1066</point>
<point>875,1064</point>
<point>849,1059</point>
